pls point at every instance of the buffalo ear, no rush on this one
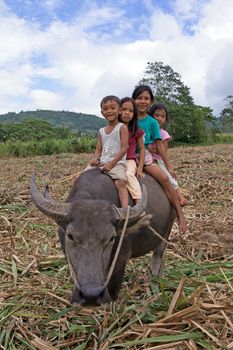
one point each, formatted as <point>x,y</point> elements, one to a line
<point>142,222</point>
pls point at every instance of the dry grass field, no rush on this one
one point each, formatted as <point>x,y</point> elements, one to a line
<point>191,309</point>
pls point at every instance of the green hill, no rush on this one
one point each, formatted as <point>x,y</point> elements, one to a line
<point>83,123</point>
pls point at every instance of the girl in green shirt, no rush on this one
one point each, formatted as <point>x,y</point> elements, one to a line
<point>144,97</point>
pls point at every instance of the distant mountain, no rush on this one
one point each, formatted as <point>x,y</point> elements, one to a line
<point>83,123</point>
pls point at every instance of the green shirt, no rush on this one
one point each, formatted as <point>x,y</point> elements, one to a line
<point>151,129</point>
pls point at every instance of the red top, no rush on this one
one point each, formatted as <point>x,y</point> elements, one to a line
<point>131,154</point>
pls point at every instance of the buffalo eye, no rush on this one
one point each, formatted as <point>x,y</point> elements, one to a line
<point>70,236</point>
<point>112,239</point>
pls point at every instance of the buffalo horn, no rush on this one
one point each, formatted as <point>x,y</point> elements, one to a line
<point>136,210</point>
<point>59,212</point>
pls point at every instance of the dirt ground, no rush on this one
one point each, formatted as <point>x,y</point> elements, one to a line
<point>35,282</point>
<point>205,176</point>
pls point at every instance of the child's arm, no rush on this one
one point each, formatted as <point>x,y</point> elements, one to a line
<point>124,135</point>
<point>98,150</point>
<point>165,143</point>
<point>139,171</point>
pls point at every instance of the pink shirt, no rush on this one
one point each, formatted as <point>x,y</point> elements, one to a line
<point>165,136</point>
<point>131,154</point>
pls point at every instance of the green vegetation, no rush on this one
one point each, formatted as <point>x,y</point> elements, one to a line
<point>38,137</point>
<point>226,116</point>
<point>224,138</point>
<point>33,129</point>
<point>45,132</point>
<point>188,122</point>
<point>76,122</point>
<point>48,147</point>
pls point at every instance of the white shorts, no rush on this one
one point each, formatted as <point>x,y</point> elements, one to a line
<point>162,166</point>
<point>148,158</point>
<point>118,172</point>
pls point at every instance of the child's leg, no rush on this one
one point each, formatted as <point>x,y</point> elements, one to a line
<point>159,175</point>
<point>182,199</point>
<point>118,174</point>
<point>123,193</point>
<point>133,185</point>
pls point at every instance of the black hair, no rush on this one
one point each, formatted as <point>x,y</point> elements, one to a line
<point>141,88</point>
<point>110,98</point>
<point>133,124</point>
<point>156,106</point>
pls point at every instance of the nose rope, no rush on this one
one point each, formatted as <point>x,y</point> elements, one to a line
<point>118,249</point>
<point>71,269</point>
<point>72,272</point>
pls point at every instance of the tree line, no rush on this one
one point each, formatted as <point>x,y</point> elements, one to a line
<point>33,137</point>
<point>76,122</point>
<point>33,129</point>
<point>188,123</point>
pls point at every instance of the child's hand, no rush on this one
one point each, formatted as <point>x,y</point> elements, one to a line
<point>152,148</point>
<point>108,166</point>
<point>94,162</point>
<point>139,173</point>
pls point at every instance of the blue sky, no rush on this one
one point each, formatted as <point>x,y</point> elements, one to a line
<point>67,54</point>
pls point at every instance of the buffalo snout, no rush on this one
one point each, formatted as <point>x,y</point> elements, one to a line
<point>90,295</point>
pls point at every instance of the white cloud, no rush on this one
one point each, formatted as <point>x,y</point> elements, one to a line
<point>52,4</point>
<point>84,65</point>
<point>188,9</point>
<point>45,99</point>
<point>159,31</point>
<point>217,20</point>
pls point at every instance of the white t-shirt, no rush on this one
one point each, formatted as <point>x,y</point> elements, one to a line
<point>111,145</point>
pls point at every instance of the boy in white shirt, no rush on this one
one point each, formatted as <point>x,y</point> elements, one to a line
<point>112,146</point>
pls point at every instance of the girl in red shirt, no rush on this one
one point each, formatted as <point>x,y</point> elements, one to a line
<point>128,116</point>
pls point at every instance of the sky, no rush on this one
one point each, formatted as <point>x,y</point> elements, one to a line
<point>69,54</point>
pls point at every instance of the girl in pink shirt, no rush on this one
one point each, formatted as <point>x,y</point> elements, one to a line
<point>159,112</point>
<point>134,169</point>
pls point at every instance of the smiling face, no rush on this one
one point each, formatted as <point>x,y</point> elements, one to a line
<point>110,110</point>
<point>143,102</point>
<point>127,112</point>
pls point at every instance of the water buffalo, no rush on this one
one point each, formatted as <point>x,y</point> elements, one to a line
<point>90,223</point>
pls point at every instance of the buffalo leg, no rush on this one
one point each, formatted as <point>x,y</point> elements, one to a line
<point>158,259</point>
<point>118,274</point>
<point>115,284</point>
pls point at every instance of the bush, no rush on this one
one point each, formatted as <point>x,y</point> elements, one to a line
<point>83,145</point>
<point>47,147</point>
<point>224,138</point>
<point>33,130</point>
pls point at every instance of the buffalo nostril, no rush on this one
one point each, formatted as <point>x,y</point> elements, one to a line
<point>91,295</point>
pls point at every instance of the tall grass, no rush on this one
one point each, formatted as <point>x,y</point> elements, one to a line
<point>82,144</point>
<point>47,147</point>
<point>224,138</point>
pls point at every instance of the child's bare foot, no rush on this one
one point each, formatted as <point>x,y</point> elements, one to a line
<point>183,201</point>
<point>182,224</point>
